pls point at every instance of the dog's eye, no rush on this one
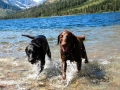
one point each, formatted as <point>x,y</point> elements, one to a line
<point>67,36</point>
<point>61,36</point>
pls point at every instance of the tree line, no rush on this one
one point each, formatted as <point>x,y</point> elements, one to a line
<point>67,7</point>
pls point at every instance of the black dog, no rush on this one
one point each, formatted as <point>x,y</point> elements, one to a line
<point>37,50</point>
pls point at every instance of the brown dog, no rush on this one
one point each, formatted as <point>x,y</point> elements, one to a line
<point>71,48</point>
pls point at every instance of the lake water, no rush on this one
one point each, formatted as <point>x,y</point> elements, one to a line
<point>102,32</point>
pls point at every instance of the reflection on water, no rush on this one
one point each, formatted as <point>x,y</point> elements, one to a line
<point>102,46</point>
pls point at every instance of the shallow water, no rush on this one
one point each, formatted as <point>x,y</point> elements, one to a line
<point>102,44</point>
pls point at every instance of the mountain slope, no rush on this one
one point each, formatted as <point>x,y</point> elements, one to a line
<point>23,4</point>
<point>4,5</point>
<point>68,7</point>
<point>6,9</point>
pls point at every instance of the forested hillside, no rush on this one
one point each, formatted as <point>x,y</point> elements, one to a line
<point>68,7</point>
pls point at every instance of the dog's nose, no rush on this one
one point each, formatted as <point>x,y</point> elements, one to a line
<point>63,44</point>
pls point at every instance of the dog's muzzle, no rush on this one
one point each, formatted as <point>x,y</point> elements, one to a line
<point>32,61</point>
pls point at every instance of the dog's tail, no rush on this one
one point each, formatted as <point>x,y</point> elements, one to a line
<point>31,37</point>
<point>83,37</point>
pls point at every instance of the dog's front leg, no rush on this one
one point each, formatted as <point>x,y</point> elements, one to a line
<point>42,65</point>
<point>79,65</point>
<point>64,66</point>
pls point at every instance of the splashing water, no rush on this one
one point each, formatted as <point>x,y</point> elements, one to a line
<point>55,74</point>
<point>52,73</point>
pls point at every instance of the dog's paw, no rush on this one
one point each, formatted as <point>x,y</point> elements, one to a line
<point>86,61</point>
<point>63,77</point>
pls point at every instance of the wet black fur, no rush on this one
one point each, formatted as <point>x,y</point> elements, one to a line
<point>37,49</point>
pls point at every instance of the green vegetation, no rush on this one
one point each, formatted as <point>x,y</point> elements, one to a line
<point>5,12</point>
<point>68,7</point>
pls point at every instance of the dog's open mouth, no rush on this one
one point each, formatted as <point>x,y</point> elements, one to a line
<point>65,48</point>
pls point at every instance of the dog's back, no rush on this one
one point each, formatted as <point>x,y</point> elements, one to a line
<point>40,36</point>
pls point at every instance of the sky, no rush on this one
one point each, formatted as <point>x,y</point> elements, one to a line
<point>38,0</point>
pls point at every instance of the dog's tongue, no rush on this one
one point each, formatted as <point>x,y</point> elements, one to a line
<point>65,49</point>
